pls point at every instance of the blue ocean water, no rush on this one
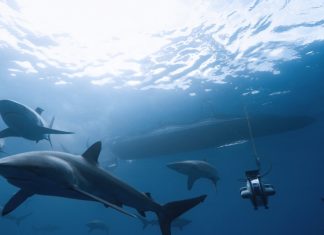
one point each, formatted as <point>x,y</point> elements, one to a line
<point>104,78</point>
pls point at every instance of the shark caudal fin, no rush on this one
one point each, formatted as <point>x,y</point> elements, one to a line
<point>172,210</point>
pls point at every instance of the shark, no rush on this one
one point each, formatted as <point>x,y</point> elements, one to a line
<point>22,121</point>
<point>195,169</point>
<point>177,223</point>
<point>16,219</point>
<point>97,225</point>
<point>47,228</point>
<point>80,177</point>
<point>209,133</point>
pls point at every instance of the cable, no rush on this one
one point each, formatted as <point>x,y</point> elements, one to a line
<point>257,158</point>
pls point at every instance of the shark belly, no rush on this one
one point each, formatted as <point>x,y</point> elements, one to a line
<point>115,191</point>
<point>46,187</point>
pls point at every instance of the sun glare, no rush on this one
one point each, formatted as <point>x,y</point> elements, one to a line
<point>99,22</point>
<point>152,43</point>
<point>100,30</point>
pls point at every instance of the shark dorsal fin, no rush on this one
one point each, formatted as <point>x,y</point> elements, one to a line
<point>92,153</point>
<point>39,110</point>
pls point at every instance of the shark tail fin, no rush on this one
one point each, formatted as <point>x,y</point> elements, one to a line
<point>172,210</point>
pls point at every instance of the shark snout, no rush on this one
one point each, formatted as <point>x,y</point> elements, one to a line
<point>8,169</point>
<point>174,166</point>
<point>171,166</point>
<point>5,106</point>
<point>180,167</point>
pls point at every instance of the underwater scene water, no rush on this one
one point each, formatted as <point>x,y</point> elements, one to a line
<point>179,99</point>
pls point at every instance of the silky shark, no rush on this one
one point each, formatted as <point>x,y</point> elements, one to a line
<point>204,134</point>
<point>97,225</point>
<point>195,170</point>
<point>79,177</point>
<point>25,122</point>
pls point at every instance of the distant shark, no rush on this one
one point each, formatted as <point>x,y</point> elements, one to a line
<point>79,177</point>
<point>48,228</point>
<point>97,225</point>
<point>203,134</point>
<point>195,170</point>
<point>177,223</point>
<point>25,122</point>
<point>16,219</point>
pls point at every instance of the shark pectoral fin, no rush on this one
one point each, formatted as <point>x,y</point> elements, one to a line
<point>96,198</point>
<point>119,204</point>
<point>16,201</point>
<point>214,180</point>
<point>7,133</point>
<point>191,181</point>
<point>45,130</point>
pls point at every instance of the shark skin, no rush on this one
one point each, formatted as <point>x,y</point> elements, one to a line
<point>97,225</point>
<point>203,134</point>
<point>79,177</point>
<point>110,164</point>
<point>195,170</point>
<point>25,122</point>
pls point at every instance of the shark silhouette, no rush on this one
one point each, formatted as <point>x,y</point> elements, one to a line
<point>24,122</point>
